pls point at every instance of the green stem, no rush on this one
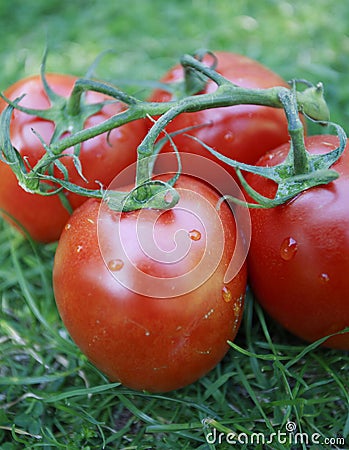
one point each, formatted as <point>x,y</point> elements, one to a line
<point>194,63</point>
<point>296,132</point>
<point>148,192</point>
<point>146,148</point>
<point>225,95</point>
<point>74,102</point>
<point>84,84</point>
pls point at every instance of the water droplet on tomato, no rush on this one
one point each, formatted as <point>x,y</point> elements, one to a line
<point>324,278</point>
<point>226,294</point>
<point>237,310</point>
<point>195,235</point>
<point>288,248</point>
<point>115,264</point>
<point>207,315</point>
<point>229,136</point>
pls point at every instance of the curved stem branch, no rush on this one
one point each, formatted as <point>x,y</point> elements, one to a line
<point>309,101</point>
<point>225,95</point>
<point>194,63</point>
<point>296,132</point>
<point>84,84</point>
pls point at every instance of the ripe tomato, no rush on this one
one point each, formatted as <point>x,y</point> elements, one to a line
<point>101,157</point>
<point>241,132</point>
<point>154,318</point>
<point>299,254</point>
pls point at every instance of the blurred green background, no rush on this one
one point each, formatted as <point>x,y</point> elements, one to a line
<point>306,39</point>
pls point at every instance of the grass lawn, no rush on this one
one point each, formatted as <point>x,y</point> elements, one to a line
<point>50,395</point>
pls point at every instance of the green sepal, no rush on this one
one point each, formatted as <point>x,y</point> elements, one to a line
<point>289,184</point>
<point>155,194</point>
<point>10,154</point>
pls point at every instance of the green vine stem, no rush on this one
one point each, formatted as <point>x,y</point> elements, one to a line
<point>228,94</point>
<point>300,170</point>
<point>296,132</point>
<point>70,114</point>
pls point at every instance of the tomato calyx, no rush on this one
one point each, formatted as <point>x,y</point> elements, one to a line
<point>67,114</point>
<point>153,194</point>
<point>299,171</point>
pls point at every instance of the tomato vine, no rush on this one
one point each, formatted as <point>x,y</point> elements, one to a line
<point>69,115</point>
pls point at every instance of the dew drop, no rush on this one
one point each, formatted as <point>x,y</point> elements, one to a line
<point>195,235</point>
<point>324,278</point>
<point>115,265</point>
<point>207,315</point>
<point>226,294</point>
<point>67,226</point>
<point>237,310</point>
<point>229,136</point>
<point>79,248</point>
<point>288,248</point>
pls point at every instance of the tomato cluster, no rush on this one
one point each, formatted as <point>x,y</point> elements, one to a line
<point>107,274</point>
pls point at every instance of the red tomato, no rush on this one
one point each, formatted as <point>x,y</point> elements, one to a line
<point>241,132</point>
<point>101,158</point>
<point>169,324</point>
<point>299,254</point>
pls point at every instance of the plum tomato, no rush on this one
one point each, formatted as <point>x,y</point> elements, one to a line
<point>299,255</point>
<point>240,132</point>
<point>101,157</point>
<point>132,292</point>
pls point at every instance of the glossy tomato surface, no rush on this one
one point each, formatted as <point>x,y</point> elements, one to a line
<point>299,254</point>
<point>101,157</point>
<point>241,132</point>
<point>151,318</point>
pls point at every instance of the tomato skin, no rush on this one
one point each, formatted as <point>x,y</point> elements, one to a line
<point>299,256</point>
<point>101,159</point>
<point>147,343</point>
<point>241,132</point>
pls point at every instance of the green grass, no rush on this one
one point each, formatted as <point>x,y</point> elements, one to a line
<point>50,395</point>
